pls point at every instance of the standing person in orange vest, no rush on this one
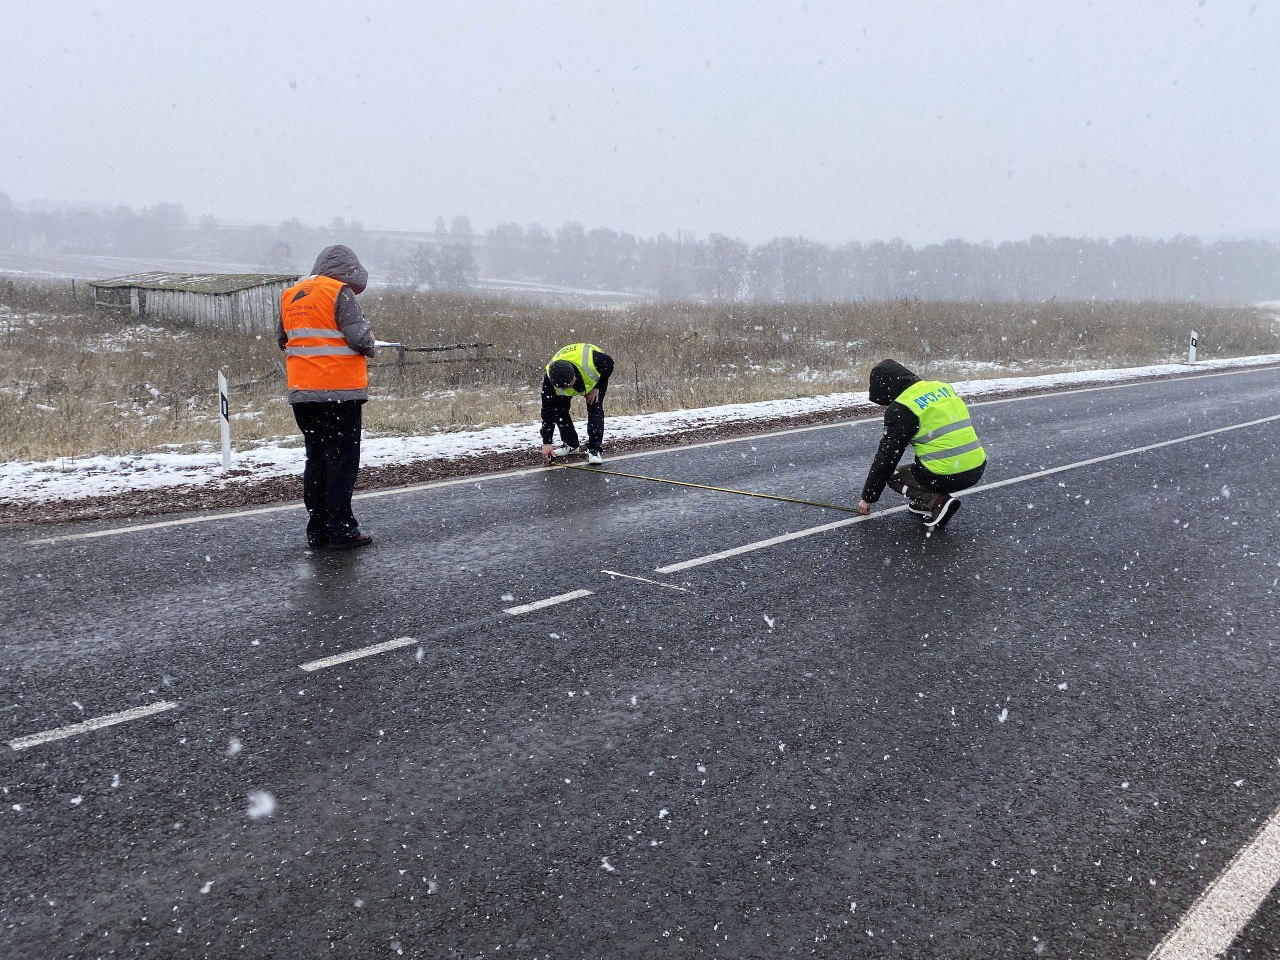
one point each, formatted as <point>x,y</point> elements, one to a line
<point>326,339</point>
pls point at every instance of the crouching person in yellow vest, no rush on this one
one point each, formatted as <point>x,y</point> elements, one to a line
<point>580,369</point>
<point>929,416</point>
<point>326,339</point>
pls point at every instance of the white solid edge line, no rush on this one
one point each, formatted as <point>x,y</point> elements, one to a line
<point>508,474</point>
<point>97,723</point>
<point>160,524</point>
<point>811,531</point>
<point>1227,905</point>
<point>338,658</point>
<point>549,602</point>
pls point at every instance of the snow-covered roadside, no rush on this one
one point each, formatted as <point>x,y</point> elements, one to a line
<point>82,478</point>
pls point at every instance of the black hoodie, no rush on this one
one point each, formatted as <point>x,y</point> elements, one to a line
<point>888,379</point>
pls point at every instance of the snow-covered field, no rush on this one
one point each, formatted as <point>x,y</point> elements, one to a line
<point>68,266</point>
<point>86,477</point>
<point>55,266</point>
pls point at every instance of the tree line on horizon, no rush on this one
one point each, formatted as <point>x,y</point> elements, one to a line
<point>682,266</point>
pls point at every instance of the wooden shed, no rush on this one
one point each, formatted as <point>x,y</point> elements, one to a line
<point>248,302</point>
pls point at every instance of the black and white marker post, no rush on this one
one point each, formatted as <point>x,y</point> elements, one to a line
<point>1191,350</point>
<point>224,419</point>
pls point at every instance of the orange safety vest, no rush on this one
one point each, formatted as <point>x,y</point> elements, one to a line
<point>317,356</point>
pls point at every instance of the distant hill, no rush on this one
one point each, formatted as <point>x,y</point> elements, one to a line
<point>60,206</point>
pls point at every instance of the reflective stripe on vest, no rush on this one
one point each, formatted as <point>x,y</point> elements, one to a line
<point>946,442</point>
<point>581,355</point>
<point>317,356</point>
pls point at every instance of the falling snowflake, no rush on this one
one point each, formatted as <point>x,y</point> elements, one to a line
<point>261,805</point>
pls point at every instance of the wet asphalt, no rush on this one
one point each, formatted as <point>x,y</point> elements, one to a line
<point>1042,732</point>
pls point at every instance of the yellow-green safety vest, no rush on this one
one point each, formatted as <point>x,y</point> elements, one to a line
<point>582,356</point>
<point>946,442</point>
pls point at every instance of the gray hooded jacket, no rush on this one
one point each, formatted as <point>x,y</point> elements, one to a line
<point>342,264</point>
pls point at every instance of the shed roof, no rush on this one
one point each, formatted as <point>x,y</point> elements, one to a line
<point>196,282</point>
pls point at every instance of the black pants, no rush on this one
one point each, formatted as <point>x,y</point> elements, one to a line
<point>918,483</point>
<point>595,422</point>
<point>331,432</point>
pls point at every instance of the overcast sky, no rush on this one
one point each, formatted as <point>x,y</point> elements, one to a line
<point>836,121</point>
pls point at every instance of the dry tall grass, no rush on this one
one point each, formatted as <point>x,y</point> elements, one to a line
<point>70,378</point>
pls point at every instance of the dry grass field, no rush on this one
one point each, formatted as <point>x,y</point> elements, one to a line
<point>71,379</point>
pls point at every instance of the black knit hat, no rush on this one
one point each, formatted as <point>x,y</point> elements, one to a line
<point>563,373</point>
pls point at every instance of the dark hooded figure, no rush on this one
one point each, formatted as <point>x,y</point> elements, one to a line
<point>578,370</point>
<point>930,416</point>
<point>326,339</point>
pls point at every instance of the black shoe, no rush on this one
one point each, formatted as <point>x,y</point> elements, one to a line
<point>942,513</point>
<point>318,541</point>
<point>350,542</point>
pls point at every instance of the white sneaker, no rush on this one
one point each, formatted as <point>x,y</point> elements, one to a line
<point>562,450</point>
<point>595,459</point>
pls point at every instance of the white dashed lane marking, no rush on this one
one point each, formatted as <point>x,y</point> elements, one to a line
<point>549,602</point>
<point>1229,903</point>
<point>350,655</point>
<point>74,729</point>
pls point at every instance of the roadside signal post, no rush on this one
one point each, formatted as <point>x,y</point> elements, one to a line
<point>224,419</point>
<point>1191,350</point>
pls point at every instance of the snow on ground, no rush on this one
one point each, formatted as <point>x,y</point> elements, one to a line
<point>72,478</point>
<point>71,266</point>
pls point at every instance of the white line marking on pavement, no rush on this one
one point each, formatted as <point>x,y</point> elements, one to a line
<point>549,602</point>
<point>161,524</point>
<point>811,531</point>
<point>656,583</point>
<point>74,729</point>
<point>350,655</point>
<point>1223,910</point>
<point>506,475</point>
<point>772,541</point>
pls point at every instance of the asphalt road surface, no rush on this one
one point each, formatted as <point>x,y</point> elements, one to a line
<point>1047,731</point>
